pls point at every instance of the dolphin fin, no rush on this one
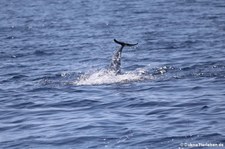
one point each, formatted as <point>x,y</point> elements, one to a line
<point>124,44</point>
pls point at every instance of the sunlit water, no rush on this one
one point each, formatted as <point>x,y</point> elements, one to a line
<point>56,90</point>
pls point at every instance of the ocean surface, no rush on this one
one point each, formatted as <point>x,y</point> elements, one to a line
<point>57,93</point>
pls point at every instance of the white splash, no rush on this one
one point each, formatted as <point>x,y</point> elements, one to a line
<point>109,77</point>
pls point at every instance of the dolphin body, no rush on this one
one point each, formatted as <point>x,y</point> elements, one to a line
<point>116,59</point>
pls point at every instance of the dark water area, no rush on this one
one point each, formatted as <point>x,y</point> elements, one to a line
<point>55,91</point>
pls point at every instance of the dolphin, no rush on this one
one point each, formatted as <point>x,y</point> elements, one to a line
<point>116,59</point>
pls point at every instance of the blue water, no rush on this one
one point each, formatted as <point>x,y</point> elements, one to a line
<point>55,91</point>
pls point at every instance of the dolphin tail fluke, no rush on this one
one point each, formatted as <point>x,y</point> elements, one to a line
<point>124,44</point>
